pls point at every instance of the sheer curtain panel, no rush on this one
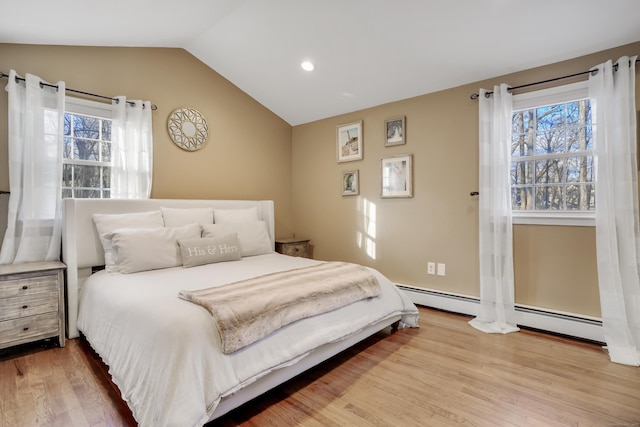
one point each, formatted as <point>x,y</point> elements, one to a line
<point>497,309</point>
<point>36,121</point>
<point>131,150</point>
<point>617,230</point>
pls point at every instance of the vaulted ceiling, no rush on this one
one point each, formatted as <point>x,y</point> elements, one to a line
<point>366,52</point>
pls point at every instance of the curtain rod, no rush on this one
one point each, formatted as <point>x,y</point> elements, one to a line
<point>3,75</point>
<point>488,94</point>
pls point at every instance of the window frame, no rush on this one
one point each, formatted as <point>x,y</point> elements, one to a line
<point>87,107</point>
<point>539,98</point>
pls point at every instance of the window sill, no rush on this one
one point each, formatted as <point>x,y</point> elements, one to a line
<point>574,219</point>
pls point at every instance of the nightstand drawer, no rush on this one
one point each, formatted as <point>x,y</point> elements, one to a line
<point>18,285</point>
<point>29,305</point>
<point>25,329</point>
<point>298,249</point>
<point>293,247</point>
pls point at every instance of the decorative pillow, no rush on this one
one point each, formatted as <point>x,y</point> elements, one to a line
<point>209,250</point>
<point>175,217</point>
<point>226,216</point>
<point>141,249</point>
<point>106,223</point>
<point>253,236</point>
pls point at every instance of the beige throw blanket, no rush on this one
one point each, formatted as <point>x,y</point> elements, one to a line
<point>248,310</point>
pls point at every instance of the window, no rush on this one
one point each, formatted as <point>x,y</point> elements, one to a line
<point>552,170</point>
<point>86,164</point>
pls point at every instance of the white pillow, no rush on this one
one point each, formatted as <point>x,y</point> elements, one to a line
<point>141,249</point>
<point>106,223</point>
<point>253,236</point>
<point>209,250</point>
<point>226,216</point>
<point>175,217</point>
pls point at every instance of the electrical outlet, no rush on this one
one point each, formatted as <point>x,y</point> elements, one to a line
<point>440,269</point>
<point>431,268</point>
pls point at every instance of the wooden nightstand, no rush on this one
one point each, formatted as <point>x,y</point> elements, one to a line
<point>31,302</point>
<point>293,247</point>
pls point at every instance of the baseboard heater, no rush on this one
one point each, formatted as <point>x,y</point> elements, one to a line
<point>574,325</point>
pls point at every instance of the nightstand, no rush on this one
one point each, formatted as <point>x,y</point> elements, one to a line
<point>293,247</point>
<point>31,302</point>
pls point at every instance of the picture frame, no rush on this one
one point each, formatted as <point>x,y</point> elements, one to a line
<point>350,183</point>
<point>395,131</point>
<point>349,142</point>
<point>396,176</point>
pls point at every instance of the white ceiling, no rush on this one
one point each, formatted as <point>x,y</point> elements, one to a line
<point>367,52</point>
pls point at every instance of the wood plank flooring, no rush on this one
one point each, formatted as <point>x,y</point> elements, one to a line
<point>444,374</point>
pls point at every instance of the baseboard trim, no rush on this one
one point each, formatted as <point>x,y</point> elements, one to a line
<point>570,324</point>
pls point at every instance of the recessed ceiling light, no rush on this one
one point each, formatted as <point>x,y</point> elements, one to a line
<point>308,66</point>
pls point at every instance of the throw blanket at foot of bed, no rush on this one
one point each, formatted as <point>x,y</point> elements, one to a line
<point>251,309</point>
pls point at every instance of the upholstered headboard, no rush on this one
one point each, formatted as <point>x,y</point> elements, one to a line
<point>81,247</point>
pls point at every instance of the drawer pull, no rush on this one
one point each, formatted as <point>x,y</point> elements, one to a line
<point>26,328</point>
<point>25,287</point>
<point>24,307</point>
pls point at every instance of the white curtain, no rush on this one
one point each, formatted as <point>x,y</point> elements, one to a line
<point>497,310</point>
<point>617,230</point>
<point>131,150</point>
<point>36,120</point>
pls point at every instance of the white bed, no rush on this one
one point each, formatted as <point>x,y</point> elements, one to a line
<point>164,352</point>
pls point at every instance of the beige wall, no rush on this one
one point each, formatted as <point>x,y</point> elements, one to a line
<point>555,267</point>
<point>248,155</point>
<point>253,154</point>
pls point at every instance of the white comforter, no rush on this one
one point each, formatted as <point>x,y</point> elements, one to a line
<point>164,353</point>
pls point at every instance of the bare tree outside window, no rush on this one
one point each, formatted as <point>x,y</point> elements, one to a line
<point>86,169</point>
<point>552,158</point>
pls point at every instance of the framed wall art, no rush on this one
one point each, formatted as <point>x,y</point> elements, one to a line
<point>394,130</point>
<point>396,176</point>
<point>350,183</point>
<point>349,142</point>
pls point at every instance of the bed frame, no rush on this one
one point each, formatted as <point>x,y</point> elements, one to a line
<point>81,247</point>
<point>82,252</point>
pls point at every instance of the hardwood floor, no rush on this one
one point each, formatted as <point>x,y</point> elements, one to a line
<point>443,374</point>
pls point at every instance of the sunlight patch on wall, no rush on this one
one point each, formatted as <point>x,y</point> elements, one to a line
<point>366,235</point>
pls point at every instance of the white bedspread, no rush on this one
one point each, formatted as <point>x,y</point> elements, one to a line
<point>164,353</point>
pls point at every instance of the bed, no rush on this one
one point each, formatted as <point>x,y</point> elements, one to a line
<point>165,353</point>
